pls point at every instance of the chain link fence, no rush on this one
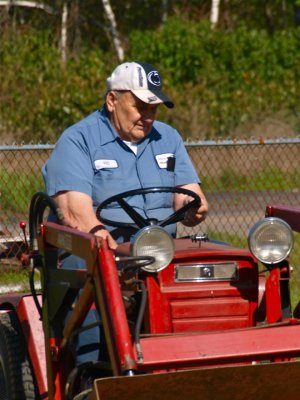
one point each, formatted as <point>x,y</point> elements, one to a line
<point>238,177</point>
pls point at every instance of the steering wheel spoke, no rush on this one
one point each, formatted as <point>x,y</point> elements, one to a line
<point>134,215</point>
<point>178,215</point>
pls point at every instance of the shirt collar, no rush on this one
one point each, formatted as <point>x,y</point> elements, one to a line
<point>109,134</point>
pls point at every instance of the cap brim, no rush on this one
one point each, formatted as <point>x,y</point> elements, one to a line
<point>153,97</point>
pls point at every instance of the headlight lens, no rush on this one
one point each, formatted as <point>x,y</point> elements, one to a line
<point>270,240</point>
<point>154,241</point>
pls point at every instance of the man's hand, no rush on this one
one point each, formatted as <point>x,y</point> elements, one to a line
<point>103,234</point>
<point>193,216</point>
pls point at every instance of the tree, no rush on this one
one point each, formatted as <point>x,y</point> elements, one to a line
<point>113,28</point>
<point>64,33</point>
<point>214,13</point>
<point>30,4</point>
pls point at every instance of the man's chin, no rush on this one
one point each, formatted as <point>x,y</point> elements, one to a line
<point>139,134</point>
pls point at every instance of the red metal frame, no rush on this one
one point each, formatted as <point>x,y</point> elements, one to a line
<point>290,214</point>
<point>220,348</point>
<point>181,350</point>
<point>187,325</point>
<point>33,331</point>
<point>101,269</point>
<point>273,298</point>
<point>112,309</point>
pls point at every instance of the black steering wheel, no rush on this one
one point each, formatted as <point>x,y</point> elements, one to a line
<point>141,222</point>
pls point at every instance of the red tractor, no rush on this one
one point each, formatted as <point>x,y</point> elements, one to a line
<point>182,318</point>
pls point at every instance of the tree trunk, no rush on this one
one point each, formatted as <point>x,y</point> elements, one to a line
<point>297,15</point>
<point>64,34</point>
<point>30,4</point>
<point>164,10</point>
<point>214,13</point>
<point>113,28</point>
<point>269,16</point>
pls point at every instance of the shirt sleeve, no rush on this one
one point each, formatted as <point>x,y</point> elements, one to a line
<point>69,167</point>
<point>185,172</point>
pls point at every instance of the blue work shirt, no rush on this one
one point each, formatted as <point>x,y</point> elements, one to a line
<point>90,157</point>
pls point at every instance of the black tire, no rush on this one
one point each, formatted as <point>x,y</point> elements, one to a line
<point>16,378</point>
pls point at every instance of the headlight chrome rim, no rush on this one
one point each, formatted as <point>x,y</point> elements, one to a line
<point>271,240</point>
<point>156,242</point>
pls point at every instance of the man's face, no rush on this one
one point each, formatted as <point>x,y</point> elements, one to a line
<point>131,117</point>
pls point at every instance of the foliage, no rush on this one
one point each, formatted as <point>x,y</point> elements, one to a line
<point>238,76</point>
<point>39,95</point>
<point>87,18</point>
<point>221,82</point>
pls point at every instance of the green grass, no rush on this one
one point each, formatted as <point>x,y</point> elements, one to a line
<point>295,277</point>
<point>269,178</point>
<point>232,239</point>
<point>17,189</point>
<point>15,276</point>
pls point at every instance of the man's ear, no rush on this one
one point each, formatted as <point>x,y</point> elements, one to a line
<point>110,100</point>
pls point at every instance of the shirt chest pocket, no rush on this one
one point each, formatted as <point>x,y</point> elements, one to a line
<point>107,179</point>
<point>166,168</point>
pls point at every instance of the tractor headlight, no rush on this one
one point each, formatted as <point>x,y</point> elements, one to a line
<point>270,240</point>
<point>153,241</point>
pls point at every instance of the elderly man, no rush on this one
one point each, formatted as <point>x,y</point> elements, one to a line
<point>119,148</point>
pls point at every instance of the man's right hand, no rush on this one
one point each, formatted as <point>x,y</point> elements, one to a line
<point>103,234</point>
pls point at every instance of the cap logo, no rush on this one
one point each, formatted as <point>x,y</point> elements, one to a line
<point>154,78</point>
<point>140,76</point>
<point>152,99</point>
